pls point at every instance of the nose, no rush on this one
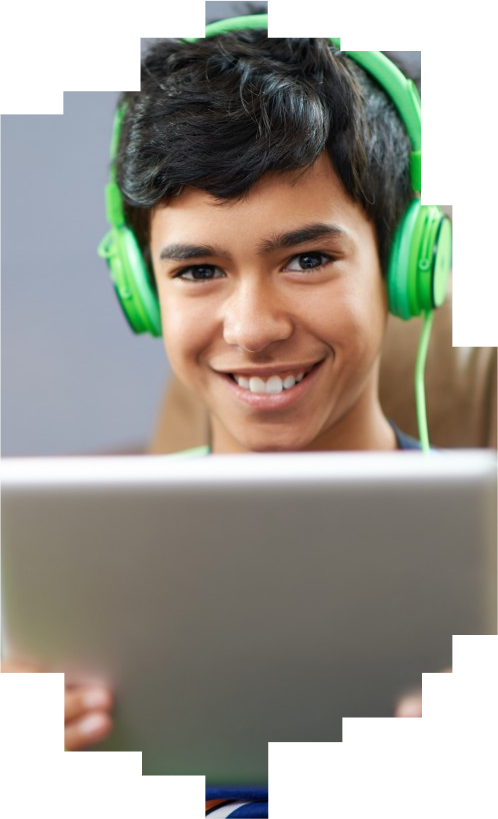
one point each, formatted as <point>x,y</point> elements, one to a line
<point>255,316</point>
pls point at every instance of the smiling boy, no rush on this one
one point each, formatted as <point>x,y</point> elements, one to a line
<point>277,318</point>
<point>264,180</point>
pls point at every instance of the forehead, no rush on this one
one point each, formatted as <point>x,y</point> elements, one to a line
<point>277,202</point>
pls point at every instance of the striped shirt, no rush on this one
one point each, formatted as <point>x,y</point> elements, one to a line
<point>237,802</point>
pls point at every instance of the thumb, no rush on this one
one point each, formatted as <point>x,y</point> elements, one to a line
<point>410,705</point>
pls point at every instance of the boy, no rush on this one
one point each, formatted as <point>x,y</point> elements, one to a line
<point>264,180</point>
<point>268,155</point>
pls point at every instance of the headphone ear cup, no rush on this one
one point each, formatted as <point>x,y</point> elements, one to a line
<point>398,273</point>
<point>442,261</point>
<point>420,261</point>
<point>131,280</point>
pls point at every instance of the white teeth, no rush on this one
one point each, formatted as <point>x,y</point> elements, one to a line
<point>273,386</point>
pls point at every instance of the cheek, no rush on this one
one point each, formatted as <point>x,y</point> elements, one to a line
<point>186,331</point>
<point>349,315</point>
<point>352,322</point>
<point>368,307</point>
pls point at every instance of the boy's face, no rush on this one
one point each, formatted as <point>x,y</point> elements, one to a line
<point>248,309</point>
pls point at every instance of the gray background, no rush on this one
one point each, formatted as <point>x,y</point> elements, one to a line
<point>74,377</point>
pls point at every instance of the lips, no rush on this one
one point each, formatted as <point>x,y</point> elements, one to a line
<point>281,370</point>
<point>277,401</point>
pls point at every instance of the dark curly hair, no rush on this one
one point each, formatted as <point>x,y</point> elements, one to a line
<point>219,113</point>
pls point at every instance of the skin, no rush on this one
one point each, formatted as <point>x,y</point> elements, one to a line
<point>317,301</point>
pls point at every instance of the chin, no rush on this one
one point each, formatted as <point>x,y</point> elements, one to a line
<point>271,442</point>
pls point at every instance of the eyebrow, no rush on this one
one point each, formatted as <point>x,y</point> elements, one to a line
<point>183,252</point>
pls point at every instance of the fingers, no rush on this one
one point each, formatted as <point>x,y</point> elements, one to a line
<point>80,701</point>
<point>409,706</point>
<point>87,717</point>
<point>93,727</point>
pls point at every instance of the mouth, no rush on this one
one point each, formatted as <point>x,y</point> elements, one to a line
<point>271,390</point>
<point>265,378</point>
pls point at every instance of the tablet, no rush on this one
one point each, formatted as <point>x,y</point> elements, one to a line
<point>235,600</point>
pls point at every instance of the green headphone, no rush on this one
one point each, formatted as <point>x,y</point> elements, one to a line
<point>420,257</point>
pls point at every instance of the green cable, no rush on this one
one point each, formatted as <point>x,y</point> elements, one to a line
<point>419,380</point>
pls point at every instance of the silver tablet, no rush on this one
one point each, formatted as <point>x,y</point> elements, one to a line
<point>234,600</point>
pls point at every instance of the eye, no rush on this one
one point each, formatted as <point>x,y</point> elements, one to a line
<point>311,255</point>
<point>205,271</point>
<point>197,269</point>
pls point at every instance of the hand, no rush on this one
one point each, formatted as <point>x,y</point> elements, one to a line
<point>87,709</point>
<point>87,716</point>
<point>411,704</point>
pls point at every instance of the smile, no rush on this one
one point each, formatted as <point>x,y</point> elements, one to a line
<point>272,385</point>
<point>269,391</point>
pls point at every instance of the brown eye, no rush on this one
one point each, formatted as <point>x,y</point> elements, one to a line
<point>199,273</point>
<point>308,261</point>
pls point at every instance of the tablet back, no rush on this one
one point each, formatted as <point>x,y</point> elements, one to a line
<point>235,600</point>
